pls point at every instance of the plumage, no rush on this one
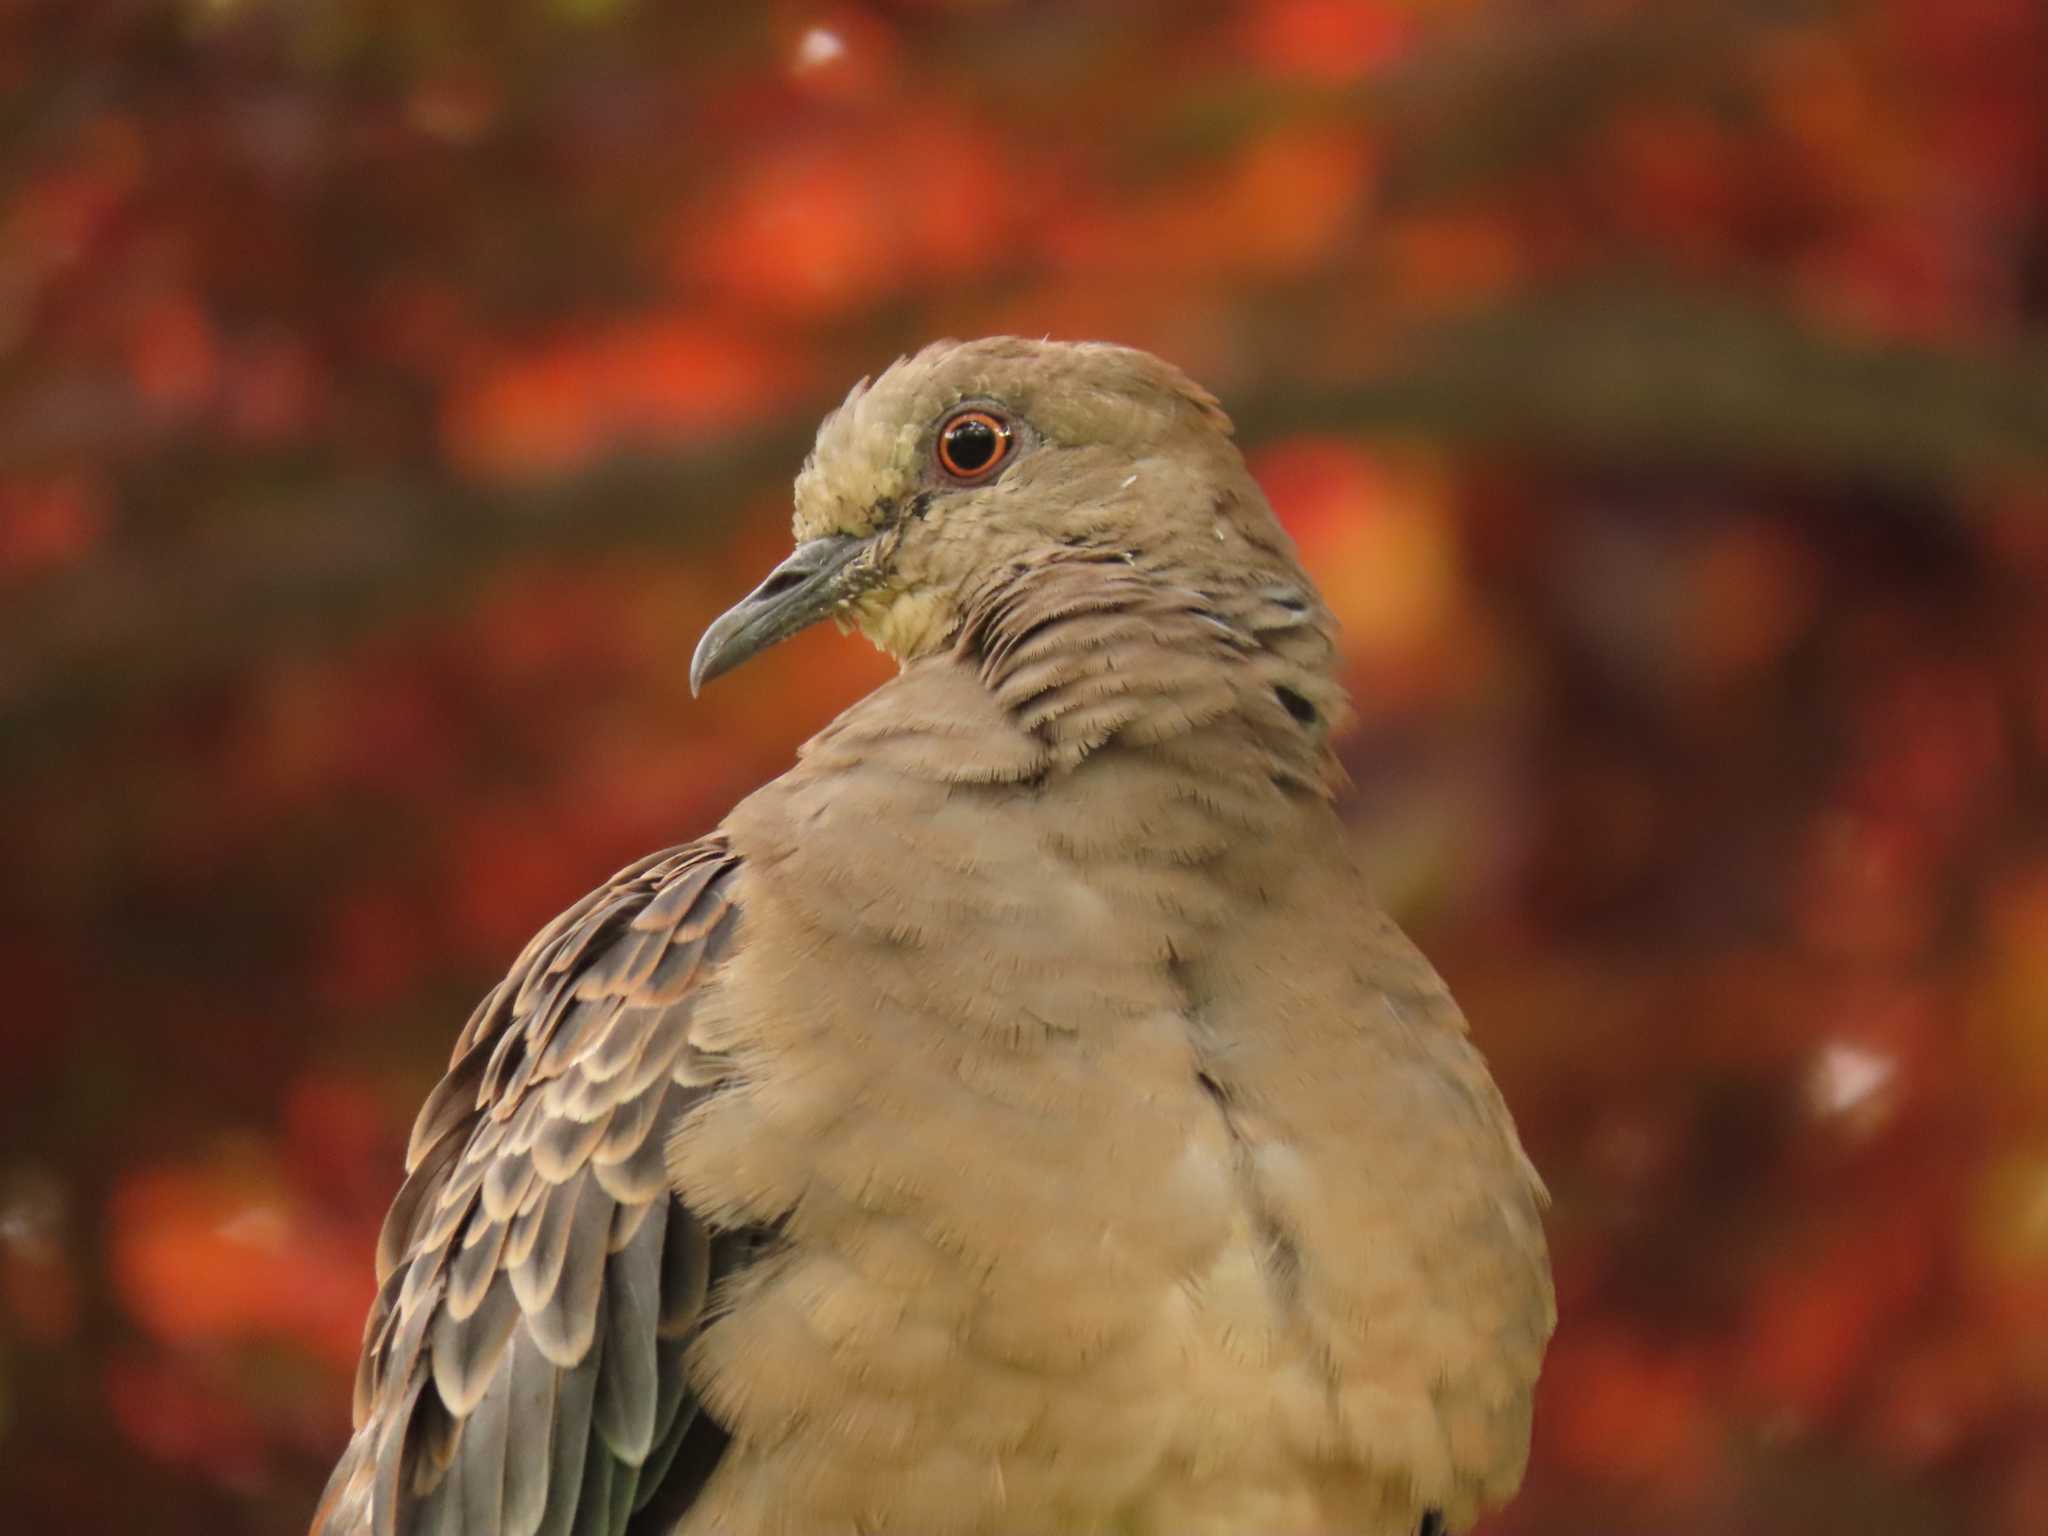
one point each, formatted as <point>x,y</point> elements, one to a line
<point>530,1431</point>
<point>469,1345</point>
<point>627,1390</point>
<point>1016,1118</point>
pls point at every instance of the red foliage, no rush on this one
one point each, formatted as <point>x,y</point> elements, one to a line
<point>1617,1408</point>
<point>1327,41</point>
<point>551,409</point>
<point>223,1253</point>
<point>48,523</point>
<point>389,403</point>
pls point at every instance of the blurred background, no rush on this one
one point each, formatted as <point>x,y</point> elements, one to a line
<point>390,392</point>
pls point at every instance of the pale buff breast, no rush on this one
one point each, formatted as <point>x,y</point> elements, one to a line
<point>1031,1260</point>
<point>1105,1329</point>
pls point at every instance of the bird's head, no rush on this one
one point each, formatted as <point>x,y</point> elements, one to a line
<point>966,466</point>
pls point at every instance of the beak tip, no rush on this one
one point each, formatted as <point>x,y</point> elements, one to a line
<point>804,588</point>
<point>701,671</point>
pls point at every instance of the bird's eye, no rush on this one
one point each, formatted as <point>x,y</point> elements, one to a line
<point>973,445</point>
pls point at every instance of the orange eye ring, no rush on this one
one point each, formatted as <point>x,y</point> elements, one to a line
<point>973,445</point>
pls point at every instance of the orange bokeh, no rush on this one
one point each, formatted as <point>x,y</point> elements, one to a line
<point>391,395</point>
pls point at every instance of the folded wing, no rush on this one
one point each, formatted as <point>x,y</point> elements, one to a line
<point>523,1366</point>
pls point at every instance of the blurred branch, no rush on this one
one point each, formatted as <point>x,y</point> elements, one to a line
<point>355,550</point>
<point>1646,371</point>
<point>1632,371</point>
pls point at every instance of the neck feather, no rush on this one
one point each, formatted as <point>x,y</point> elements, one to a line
<point>1091,649</point>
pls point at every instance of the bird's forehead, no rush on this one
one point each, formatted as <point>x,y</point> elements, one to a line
<point>870,450</point>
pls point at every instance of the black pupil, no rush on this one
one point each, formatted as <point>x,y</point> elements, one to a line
<point>971,445</point>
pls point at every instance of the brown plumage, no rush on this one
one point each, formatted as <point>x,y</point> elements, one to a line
<point>1017,1118</point>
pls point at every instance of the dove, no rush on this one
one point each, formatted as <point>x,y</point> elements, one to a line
<point>1015,1118</point>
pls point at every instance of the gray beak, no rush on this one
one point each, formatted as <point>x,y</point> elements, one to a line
<point>799,592</point>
